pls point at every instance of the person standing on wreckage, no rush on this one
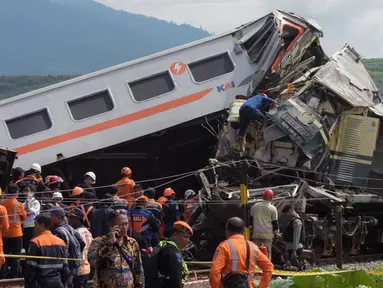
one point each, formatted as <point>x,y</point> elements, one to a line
<point>252,110</point>
<point>265,221</point>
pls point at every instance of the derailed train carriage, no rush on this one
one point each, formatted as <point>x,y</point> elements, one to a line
<point>321,147</point>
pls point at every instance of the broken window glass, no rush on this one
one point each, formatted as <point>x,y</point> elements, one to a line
<point>256,45</point>
<point>29,124</point>
<point>212,67</point>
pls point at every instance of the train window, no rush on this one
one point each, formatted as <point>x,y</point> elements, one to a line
<point>91,105</point>
<point>29,124</point>
<point>211,67</point>
<point>152,86</point>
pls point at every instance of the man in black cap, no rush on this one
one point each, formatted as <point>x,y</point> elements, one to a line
<point>76,220</point>
<point>73,240</point>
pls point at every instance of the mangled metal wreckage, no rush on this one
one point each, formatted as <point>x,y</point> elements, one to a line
<point>325,130</point>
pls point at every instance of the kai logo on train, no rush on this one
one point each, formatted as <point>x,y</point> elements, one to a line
<point>226,86</point>
<point>177,68</point>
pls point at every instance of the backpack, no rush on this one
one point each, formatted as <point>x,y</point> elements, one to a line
<point>152,277</point>
<point>74,250</point>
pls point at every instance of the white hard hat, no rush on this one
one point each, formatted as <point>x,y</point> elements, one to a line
<point>36,166</point>
<point>58,196</point>
<point>91,175</point>
<point>189,193</point>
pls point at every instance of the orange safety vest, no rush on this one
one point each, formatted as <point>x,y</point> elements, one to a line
<point>74,205</point>
<point>86,213</point>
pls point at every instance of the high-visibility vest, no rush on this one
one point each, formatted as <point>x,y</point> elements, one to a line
<point>138,219</point>
<point>185,270</point>
<point>234,110</point>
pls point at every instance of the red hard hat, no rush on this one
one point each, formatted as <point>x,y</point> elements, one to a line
<point>268,194</point>
<point>126,171</point>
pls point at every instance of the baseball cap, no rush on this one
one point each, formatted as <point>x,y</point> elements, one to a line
<point>76,212</point>
<point>57,211</point>
<point>183,227</point>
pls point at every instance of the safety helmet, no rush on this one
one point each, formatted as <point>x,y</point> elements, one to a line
<point>53,179</point>
<point>169,192</point>
<point>126,171</point>
<point>77,191</point>
<point>36,166</point>
<point>91,175</point>
<point>189,193</point>
<point>183,227</point>
<point>268,194</point>
<point>57,196</point>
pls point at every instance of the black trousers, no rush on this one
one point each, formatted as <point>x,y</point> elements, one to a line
<point>28,234</point>
<point>80,281</point>
<point>247,114</point>
<point>12,246</point>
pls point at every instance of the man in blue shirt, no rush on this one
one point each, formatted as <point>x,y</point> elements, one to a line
<point>252,110</point>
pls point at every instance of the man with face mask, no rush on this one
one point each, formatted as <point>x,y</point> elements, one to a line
<point>32,208</point>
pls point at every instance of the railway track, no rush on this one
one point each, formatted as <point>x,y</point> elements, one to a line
<point>350,259</point>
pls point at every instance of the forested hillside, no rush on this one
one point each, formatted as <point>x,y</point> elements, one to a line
<point>65,37</point>
<point>375,67</point>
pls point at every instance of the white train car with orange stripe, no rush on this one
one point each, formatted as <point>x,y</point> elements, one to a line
<point>154,93</point>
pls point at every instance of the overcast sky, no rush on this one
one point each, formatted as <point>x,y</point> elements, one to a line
<point>357,22</point>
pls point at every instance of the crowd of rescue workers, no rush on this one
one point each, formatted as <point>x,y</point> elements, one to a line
<point>122,237</point>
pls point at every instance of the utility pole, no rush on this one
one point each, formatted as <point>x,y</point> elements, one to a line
<point>339,234</point>
<point>244,199</point>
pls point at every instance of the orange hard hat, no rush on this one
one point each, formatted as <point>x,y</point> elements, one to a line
<point>77,191</point>
<point>126,171</point>
<point>183,227</point>
<point>268,194</point>
<point>142,199</point>
<point>169,192</point>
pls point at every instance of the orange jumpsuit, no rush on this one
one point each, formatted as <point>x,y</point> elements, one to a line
<point>125,190</point>
<point>4,225</point>
<point>16,215</point>
<point>231,256</point>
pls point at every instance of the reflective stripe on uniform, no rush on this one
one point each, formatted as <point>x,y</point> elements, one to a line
<point>16,218</point>
<point>234,257</point>
<point>44,266</point>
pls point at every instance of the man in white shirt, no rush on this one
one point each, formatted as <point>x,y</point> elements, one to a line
<point>265,221</point>
<point>32,208</point>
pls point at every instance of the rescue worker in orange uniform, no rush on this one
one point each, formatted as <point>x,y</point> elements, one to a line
<point>126,186</point>
<point>4,225</point>
<point>143,222</point>
<point>78,193</point>
<point>153,206</point>
<point>170,212</point>
<point>13,236</point>
<point>234,255</point>
<point>190,204</point>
